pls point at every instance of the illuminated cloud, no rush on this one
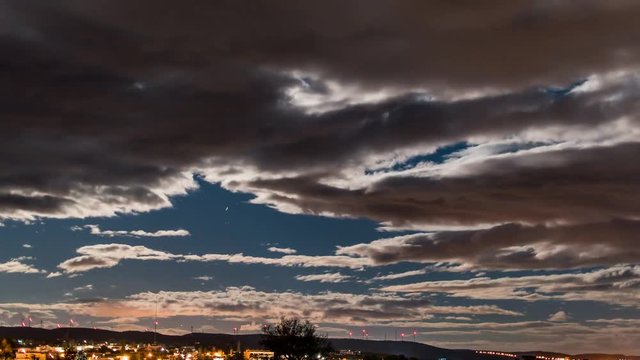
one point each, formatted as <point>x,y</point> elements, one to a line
<point>377,114</point>
<point>17,265</point>
<point>287,251</point>
<point>109,255</point>
<point>559,316</point>
<point>324,278</point>
<point>331,307</point>
<point>401,275</point>
<point>511,246</point>
<point>87,287</point>
<point>336,261</point>
<point>253,327</point>
<point>614,285</point>
<point>95,230</point>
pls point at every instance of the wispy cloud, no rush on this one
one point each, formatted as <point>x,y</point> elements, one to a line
<point>95,230</point>
<point>568,286</point>
<point>252,327</point>
<point>248,302</point>
<point>511,246</point>
<point>87,287</point>
<point>109,255</point>
<point>288,251</point>
<point>401,275</point>
<point>324,278</point>
<point>614,285</point>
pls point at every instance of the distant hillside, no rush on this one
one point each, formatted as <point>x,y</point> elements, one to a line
<point>100,335</point>
<point>607,357</point>
<point>406,348</point>
<point>585,356</point>
<point>226,341</point>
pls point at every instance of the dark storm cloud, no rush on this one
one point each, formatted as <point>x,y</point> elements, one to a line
<point>353,132</point>
<point>42,204</point>
<point>512,246</point>
<point>501,43</point>
<point>576,185</point>
<point>111,107</point>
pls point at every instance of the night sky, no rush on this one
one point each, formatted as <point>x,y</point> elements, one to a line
<point>467,170</point>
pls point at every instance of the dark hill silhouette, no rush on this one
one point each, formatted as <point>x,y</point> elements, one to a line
<point>226,341</point>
